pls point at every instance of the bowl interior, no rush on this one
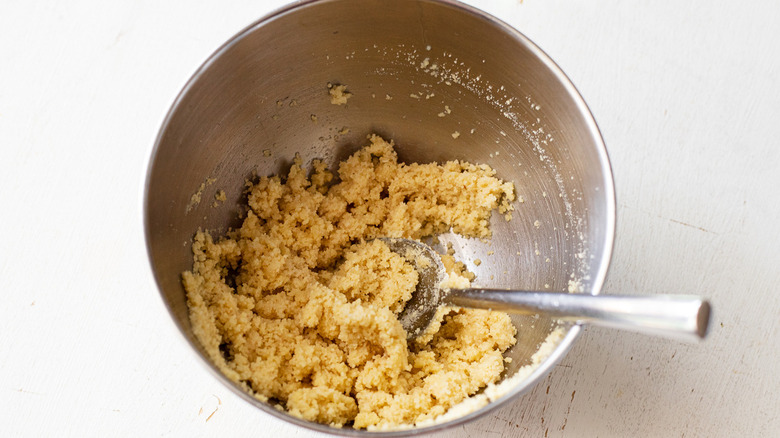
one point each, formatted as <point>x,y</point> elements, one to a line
<point>441,80</point>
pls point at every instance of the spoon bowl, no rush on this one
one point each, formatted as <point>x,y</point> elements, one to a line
<point>683,317</point>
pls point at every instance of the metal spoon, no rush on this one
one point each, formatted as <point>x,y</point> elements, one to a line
<point>682,317</point>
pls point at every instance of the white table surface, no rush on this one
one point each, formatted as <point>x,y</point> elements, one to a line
<point>687,95</point>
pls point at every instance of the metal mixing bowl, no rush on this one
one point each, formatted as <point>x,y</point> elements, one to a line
<point>420,73</point>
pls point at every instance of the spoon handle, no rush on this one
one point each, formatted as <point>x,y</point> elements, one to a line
<point>682,317</point>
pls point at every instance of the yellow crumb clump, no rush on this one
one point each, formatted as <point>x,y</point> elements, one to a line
<point>219,198</point>
<point>198,195</point>
<point>338,94</point>
<point>300,304</point>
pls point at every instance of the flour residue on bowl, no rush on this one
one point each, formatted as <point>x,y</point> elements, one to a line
<point>196,197</point>
<point>445,69</point>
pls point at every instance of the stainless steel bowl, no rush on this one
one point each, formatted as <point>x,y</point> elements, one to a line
<point>420,73</point>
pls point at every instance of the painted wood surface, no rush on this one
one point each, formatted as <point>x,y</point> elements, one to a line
<point>687,96</point>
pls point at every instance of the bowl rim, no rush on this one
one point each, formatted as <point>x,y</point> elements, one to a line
<point>574,330</point>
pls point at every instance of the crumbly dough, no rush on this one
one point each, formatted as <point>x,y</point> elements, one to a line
<point>338,94</point>
<point>299,305</point>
